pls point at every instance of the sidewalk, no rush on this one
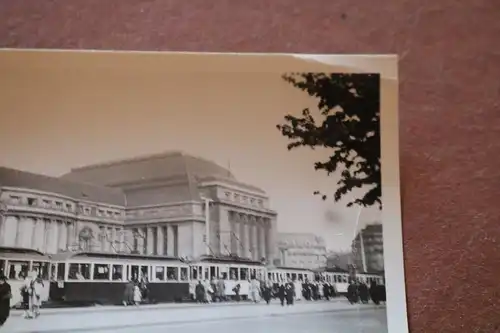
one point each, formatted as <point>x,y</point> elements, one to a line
<point>73,310</point>
<point>157,317</point>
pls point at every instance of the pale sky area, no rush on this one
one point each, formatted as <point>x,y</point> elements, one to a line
<point>53,119</point>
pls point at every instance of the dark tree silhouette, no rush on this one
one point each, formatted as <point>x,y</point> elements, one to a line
<point>348,123</point>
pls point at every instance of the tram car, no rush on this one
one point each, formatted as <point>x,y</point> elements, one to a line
<point>18,263</point>
<point>100,278</point>
<point>233,270</point>
<point>299,276</point>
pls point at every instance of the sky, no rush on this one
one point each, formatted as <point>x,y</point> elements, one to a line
<point>57,117</point>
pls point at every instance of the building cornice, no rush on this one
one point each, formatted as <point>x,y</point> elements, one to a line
<point>60,196</point>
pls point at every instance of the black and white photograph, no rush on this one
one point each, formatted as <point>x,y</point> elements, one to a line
<point>149,192</point>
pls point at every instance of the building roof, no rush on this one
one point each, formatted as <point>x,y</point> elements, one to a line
<point>182,173</point>
<point>167,165</point>
<point>75,190</point>
<point>290,239</point>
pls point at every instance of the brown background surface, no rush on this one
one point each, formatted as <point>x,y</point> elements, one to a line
<point>450,117</point>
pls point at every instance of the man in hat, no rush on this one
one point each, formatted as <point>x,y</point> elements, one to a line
<point>5,296</point>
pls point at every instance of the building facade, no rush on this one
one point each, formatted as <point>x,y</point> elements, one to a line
<point>166,204</point>
<point>340,260</point>
<point>368,249</point>
<point>300,250</point>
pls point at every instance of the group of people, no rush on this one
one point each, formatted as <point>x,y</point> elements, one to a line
<point>136,291</point>
<point>359,292</point>
<point>31,295</point>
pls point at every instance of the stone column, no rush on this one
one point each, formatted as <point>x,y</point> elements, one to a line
<point>255,238</point>
<point>38,236</point>
<point>19,232</point>
<point>114,240</point>
<point>224,231</point>
<point>271,224</point>
<point>62,235</point>
<point>235,235</point>
<point>150,241</point>
<point>122,246</point>
<point>9,231</point>
<point>245,253</point>
<point>170,240</point>
<point>160,246</point>
<point>52,244</point>
<point>140,240</point>
<point>262,239</point>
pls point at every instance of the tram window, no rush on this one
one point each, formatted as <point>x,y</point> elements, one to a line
<point>270,276</point>
<point>61,268</point>
<point>172,273</point>
<point>344,279</point>
<point>145,273</point>
<point>18,270</point>
<point>160,273</point>
<point>194,273</point>
<point>184,274</point>
<point>134,273</point>
<point>117,274</point>
<point>213,272</point>
<point>224,275</point>
<point>42,268</point>
<point>253,273</point>
<point>101,272</point>
<point>301,277</point>
<point>2,267</point>
<point>233,273</point>
<point>206,273</point>
<point>79,272</point>
<point>294,276</point>
<point>243,273</point>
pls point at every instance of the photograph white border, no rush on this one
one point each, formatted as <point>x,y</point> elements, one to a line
<point>385,65</point>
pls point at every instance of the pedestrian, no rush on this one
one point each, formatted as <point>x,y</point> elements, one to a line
<point>282,293</point>
<point>36,296</point>
<point>221,290</point>
<point>364,294</point>
<point>26,291</point>
<point>254,290</point>
<point>128,294</point>
<point>289,292</point>
<point>266,291</point>
<point>352,292</point>
<point>5,296</point>
<point>199,292</point>
<point>236,291</point>
<point>137,294</point>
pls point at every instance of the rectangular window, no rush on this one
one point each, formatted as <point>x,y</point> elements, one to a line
<point>160,273</point>
<point>101,272</point>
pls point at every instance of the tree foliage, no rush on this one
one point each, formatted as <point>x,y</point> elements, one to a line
<point>347,122</point>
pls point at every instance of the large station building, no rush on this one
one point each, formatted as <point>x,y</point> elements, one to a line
<point>165,204</point>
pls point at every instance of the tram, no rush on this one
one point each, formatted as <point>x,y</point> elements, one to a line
<point>233,270</point>
<point>100,278</point>
<point>18,263</point>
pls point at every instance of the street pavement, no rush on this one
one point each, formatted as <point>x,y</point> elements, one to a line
<point>331,317</point>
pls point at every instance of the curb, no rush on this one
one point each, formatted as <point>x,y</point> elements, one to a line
<point>180,322</point>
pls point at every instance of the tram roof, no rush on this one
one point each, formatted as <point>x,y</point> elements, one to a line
<point>293,268</point>
<point>229,259</point>
<point>120,256</point>
<point>22,254</point>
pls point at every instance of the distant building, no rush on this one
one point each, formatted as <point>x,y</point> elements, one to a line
<point>300,250</point>
<point>340,260</point>
<point>368,249</point>
<point>152,205</point>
